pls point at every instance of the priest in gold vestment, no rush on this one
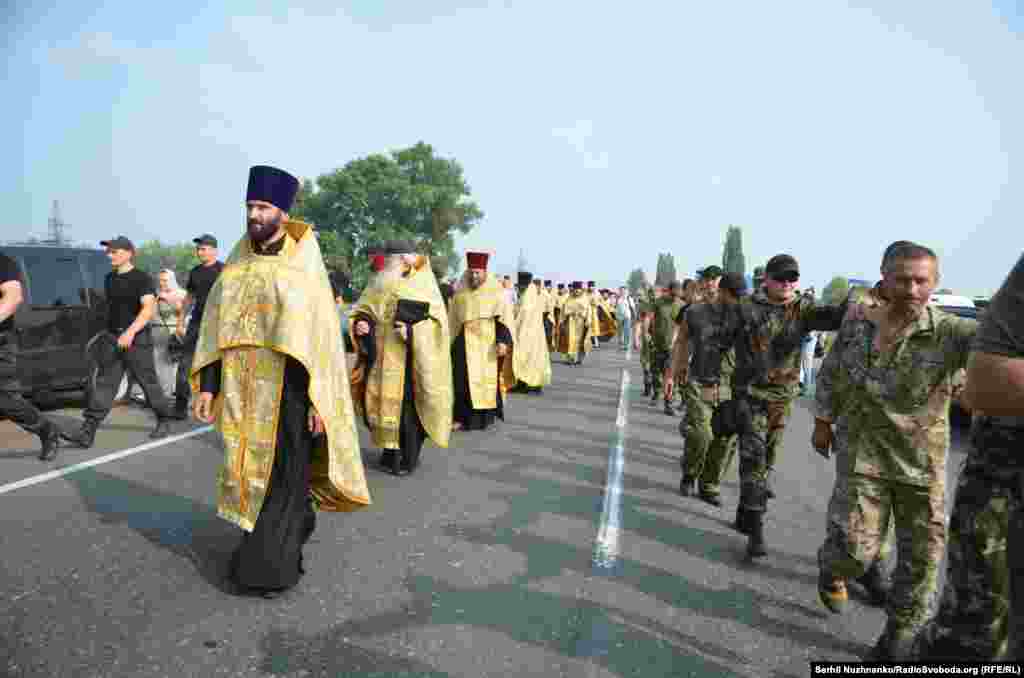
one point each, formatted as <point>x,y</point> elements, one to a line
<point>403,377</point>
<point>270,373</point>
<point>560,298</point>
<point>480,320</point>
<point>531,360</point>
<point>575,326</point>
<point>548,294</point>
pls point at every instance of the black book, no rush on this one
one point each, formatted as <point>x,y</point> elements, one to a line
<point>411,312</point>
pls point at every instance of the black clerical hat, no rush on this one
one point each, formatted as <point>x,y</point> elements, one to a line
<point>272,185</point>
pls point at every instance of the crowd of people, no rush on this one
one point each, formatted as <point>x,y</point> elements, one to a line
<point>280,355</point>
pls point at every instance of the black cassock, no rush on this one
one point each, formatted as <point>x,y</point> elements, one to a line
<point>411,435</point>
<point>475,420</point>
<point>270,557</point>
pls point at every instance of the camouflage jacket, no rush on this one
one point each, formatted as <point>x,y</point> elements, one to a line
<point>897,403</point>
<point>766,338</point>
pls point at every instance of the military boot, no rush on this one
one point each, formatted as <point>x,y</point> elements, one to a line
<point>647,384</point>
<point>669,410</point>
<point>876,584</point>
<point>49,435</point>
<point>86,435</point>
<point>755,542</point>
<point>687,486</point>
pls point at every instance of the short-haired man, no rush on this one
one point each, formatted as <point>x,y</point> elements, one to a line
<point>897,362</point>
<point>12,405</point>
<point>200,282</point>
<point>131,301</point>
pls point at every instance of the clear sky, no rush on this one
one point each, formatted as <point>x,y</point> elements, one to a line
<point>593,134</point>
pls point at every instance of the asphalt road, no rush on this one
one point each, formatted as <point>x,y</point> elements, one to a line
<point>481,564</point>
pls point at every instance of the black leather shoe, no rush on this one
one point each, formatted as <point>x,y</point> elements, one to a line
<point>709,498</point>
<point>755,543</point>
<point>49,435</point>
<point>162,430</point>
<point>85,437</point>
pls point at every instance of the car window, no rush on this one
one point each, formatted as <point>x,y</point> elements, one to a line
<point>961,311</point>
<point>96,266</point>
<point>54,280</point>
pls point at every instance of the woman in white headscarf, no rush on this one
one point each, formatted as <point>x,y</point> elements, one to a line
<point>168,301</point>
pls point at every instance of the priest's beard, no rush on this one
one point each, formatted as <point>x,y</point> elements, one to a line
<point>392,272</point>
<point>260,232</point>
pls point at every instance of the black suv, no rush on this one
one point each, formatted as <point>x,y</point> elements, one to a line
<point>64,308</point>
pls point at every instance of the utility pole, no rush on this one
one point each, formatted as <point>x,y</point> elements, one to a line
<point>57,225</point>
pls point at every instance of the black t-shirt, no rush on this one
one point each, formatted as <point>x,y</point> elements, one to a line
<point>200,281</point>
<point>124,296</point>
<point>1002,328</point>
<point>8,271</point>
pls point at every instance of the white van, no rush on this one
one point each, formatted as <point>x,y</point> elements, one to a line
<point>947,301</point>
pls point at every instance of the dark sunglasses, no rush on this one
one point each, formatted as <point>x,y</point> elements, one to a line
<point>786,277</point>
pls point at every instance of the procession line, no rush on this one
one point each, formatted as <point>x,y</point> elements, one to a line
<point>113,456</point>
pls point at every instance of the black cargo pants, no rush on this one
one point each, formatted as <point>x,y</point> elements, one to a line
<point>138,362</point>
<point>12,406</point>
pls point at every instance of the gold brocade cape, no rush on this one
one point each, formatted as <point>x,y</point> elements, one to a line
<point>594,318</point>
<point>384,386</point>
<point>531,360</point>
<point>575,314</point>
<point>607,326</point>
<point>260,311</point>
<point>473,312</point>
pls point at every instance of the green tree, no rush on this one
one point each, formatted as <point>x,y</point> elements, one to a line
<point>153,255</point>
<point>665,273</point>
<point>636,281</point>
<point>836,290</point>
<point>733,260</point>
<point>409,193</point>
<point>758,277</point>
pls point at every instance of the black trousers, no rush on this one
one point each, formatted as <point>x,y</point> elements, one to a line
<point>182,390</point>
<point>138,362</point>
<point>12,406</point>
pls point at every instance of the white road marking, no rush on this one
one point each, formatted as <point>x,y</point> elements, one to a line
<point>113,456</point>
<point>606,548</point>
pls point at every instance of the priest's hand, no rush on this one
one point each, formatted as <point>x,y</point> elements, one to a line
<point>822,439</point>
<point>203,408</point>
<point>502,350</point>
<point>362,328</point>
<point>316,424</point>
<point>402,331</point>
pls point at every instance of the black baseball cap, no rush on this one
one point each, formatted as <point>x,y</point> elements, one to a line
<point>781,264</point>
<point>711,272</point>
<point>735,283</point>
<point>205,239</point>
<point>118,243</point>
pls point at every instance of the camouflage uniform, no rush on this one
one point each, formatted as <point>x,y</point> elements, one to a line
<point>974,618</point>
<point>896,407</point>
<point>646,308</point>
<point>707,458</point>
<point>838,513</point>
<point>664,312</point>
<point>766,338</point>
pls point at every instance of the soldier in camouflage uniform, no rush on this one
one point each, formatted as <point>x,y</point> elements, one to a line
<point>974,618</point>
<point>874,580</point>
<point>643,335</point>
<point>765,334</point>
<point>706,456</point>
<point>890,377</point>
<point>662,333</point>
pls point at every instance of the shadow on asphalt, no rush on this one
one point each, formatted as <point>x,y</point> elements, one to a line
<point>188,529</point>
<point>556,623</point>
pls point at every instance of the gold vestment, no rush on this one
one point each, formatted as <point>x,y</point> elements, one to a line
<point>473,312</point>
<point>260,311</point>
<point>531,360</point>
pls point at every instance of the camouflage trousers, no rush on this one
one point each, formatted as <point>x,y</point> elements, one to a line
<point>973,621</point>
<point>659,362</point>
<point>758,448</point>
<point>707,458</point>
<point>837,522</point>
<point>920,541</point>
